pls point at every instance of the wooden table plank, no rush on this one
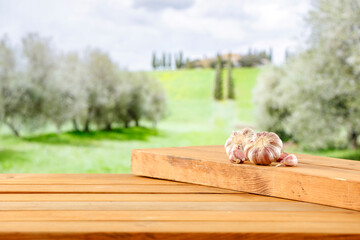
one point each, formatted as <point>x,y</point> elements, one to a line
<point>196,154</point>
<point>169,206</point>
<point>131,188</point>
<point>176,236</point>
<point>65,210</point>
<point>180,227</point>
<point>316,183</point>
<point>79,179</point>
<point>152,215</point>
<point>136,197</point>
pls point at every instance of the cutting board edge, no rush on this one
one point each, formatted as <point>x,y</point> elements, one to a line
<point>140,157</point>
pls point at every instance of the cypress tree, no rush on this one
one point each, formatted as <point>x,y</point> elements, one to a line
<point>154,63</point>
<point>176,56</point>
<point>181,60</point>
<point>230,82</point>
<point>218,90</point>
<point>164,60</point>
<point>169,61</point>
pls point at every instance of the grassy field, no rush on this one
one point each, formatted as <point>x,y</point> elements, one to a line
<point>193,119</point>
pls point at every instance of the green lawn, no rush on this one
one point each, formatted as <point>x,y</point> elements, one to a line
<point>193,119</point>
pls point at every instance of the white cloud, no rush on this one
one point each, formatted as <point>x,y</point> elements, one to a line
<point>129,31</point>
<point>157,5</point>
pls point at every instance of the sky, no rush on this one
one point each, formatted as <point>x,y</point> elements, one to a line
<point>130,30</point>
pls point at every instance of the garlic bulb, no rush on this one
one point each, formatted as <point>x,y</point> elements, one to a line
<point>264,149</point>
<point>235,144</point>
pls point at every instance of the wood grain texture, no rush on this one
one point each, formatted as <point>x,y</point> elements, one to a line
<point>320,180</point>
<point>180,226</point>
<point>157,209</point>
<point>167,206</point>
<point>131,188</point>
<point>314,160</point>
<point>194,215</point>
<point>78,179</point>
<point>138,197</point>
<point>175,236</point>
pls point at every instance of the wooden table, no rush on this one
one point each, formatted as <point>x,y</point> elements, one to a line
<point>117,206</point>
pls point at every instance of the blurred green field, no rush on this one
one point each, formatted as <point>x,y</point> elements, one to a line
<point>193,118</point>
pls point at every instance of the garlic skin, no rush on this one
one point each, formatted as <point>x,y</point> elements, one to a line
<point>264,149</point>
<point>236,155</point>
<point>290,161</point>
<point>282,156</point>
<point>235,144</point>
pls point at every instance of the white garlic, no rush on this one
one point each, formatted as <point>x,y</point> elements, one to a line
<point>264,149</point>
<point>235,144</point>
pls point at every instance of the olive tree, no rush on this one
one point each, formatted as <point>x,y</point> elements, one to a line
<point>155,106</point>
<point>270,112</point>
<point>64,95</point>
<point>99,86</point>
<point>17,96</point>
<point>39,58</point>
<point>38,86</point>
<point>137,98</point>
<point>318,90</point>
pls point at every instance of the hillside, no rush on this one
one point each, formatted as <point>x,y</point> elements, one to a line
<point>193,119</point>
<point>190,95</point>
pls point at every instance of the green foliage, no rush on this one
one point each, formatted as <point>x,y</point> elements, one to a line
<point>218,89</point>
<point>192,119</point>
<point>315,96</point>
<point>22,85</point>
<point>42,87</point>
<point>270,110</point>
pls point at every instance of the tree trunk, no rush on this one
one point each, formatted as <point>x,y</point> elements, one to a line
<point>86,125</point>
<point>137,122</point>
<point>58,129</point>
<point>87,122</point>
<point>75,125</point>
<point>126,124</point>
<point>13,129</point>
<point>108,127</point>
<point>353,139</point>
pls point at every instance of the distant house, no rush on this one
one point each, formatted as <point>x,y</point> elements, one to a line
<point>211,62</point>
<point>237,60</point>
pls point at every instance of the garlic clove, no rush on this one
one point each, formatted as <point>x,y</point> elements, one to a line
<point>239,155</point>
<point>264,149</point>
<point>242,137</point>
<point>282,156</point>
<point>236,155</point>
<point>290,161</point>
<point>234,145</point>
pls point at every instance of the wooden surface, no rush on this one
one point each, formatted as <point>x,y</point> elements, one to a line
<point>115,206</point>
<point>328,181</point>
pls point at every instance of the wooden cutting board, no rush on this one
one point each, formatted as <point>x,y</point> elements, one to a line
<point>323,180</point>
